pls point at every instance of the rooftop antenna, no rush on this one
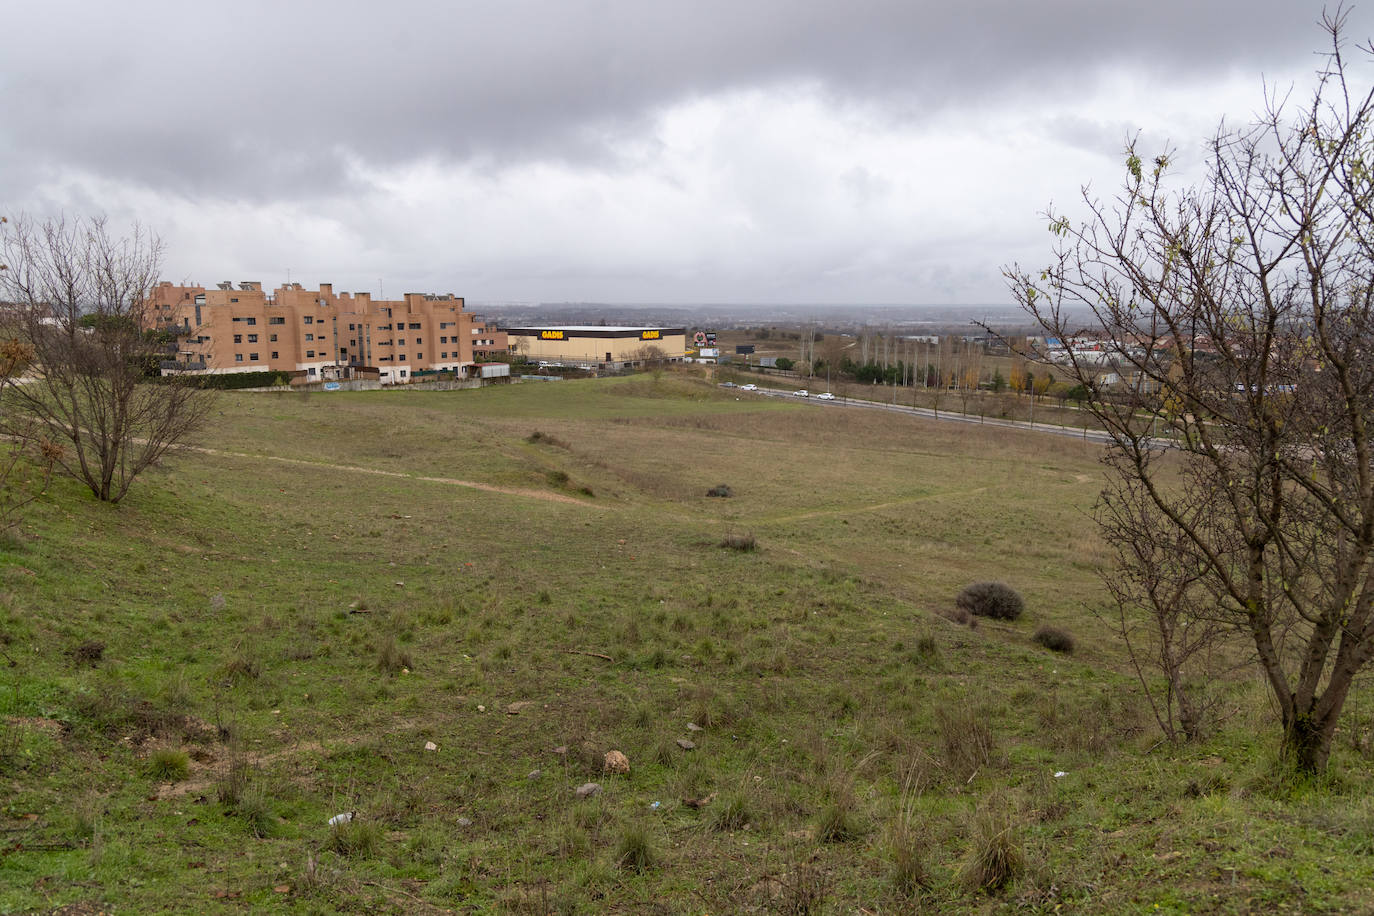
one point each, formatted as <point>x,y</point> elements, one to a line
<point>380,294</point>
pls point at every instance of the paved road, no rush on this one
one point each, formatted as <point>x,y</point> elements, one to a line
<point>1090,435</point>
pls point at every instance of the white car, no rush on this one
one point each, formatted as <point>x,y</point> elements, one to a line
<point>750,387</point>
<point>826,396</point>
<point>803,393</point>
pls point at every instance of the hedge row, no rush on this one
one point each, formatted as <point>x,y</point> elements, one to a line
<point>231,380</point>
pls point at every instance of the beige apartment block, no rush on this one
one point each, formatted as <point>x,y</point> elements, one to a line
<point>315,335</point>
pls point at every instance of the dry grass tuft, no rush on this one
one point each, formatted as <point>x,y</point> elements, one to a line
<point>995,857</point>
<point>741,542</point>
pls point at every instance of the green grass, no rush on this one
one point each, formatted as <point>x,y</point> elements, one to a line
<point>300,629</point>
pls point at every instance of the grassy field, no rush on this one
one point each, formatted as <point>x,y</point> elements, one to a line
<point>438,612</point>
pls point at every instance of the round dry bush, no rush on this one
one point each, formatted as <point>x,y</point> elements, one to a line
<point>1054,639</point>
<point>991,599</point>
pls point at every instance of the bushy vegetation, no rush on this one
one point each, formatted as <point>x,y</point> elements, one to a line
<point>1054,639</point>
<point>231,381</point>
<point>991,599</point>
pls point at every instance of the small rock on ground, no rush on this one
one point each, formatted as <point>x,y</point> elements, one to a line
<point>616,763</point>
<point>686,745</point>
<point>587,790</point>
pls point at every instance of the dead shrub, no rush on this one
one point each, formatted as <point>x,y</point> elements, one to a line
<point>542,438</point>
<point>991,599</point>
<point>1054,639</point>
<point>721,491</point>
<point>88,654</point>
<point>804,891</point>
<point>958,615</point>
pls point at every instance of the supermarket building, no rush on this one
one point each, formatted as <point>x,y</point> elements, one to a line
<point>598,346</point>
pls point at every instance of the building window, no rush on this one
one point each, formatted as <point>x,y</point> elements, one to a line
<point>310,337</point>
<point>238,338</point>
<point>233,299</point>
<point>276,320</point>
<point>252,357</point>
<point>420,357</point>
<point>444,355</point>
<point>351,328</point>
<point>400,341</point>
<point>252,320</point>
<point>309,319</point>
<point>311,370</point>
<point>272,338</point>
<point>402,357</point>
<point>419,340</point>
<point>309,354</point>
<point>252,338</point>
<point>415,326</point>
<point>274,354</point>
<point>403,373</point>
<point>238,357</point>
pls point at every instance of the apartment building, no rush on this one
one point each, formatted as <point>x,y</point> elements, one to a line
<point>488,341</point>
<point>316,334</point>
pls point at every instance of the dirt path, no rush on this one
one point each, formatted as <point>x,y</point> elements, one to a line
<point>357,469</point>
<point>875,507</point>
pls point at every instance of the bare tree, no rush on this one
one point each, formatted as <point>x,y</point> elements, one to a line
<point>1241,312</point>
<point>79,297</point>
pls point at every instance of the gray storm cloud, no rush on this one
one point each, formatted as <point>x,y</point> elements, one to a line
<point>337,107</point>
<point>261,98</point>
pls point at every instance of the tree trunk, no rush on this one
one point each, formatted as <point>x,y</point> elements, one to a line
<point>1307,742</point>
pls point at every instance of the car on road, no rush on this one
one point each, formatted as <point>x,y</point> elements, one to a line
<point>802,393</point>
<point>825,396</point>
<point>727,384</point>
<point>749,387</point>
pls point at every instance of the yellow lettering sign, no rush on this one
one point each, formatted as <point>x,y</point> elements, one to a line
<point>648,335</point>
<point>551,335</point>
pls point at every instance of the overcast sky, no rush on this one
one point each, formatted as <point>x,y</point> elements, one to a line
<point>631,151</point>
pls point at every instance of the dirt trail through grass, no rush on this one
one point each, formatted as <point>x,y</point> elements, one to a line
<point>876,507</point>
<point>357,469</point>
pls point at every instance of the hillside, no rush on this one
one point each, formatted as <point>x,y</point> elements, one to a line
<point>273,629</point>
